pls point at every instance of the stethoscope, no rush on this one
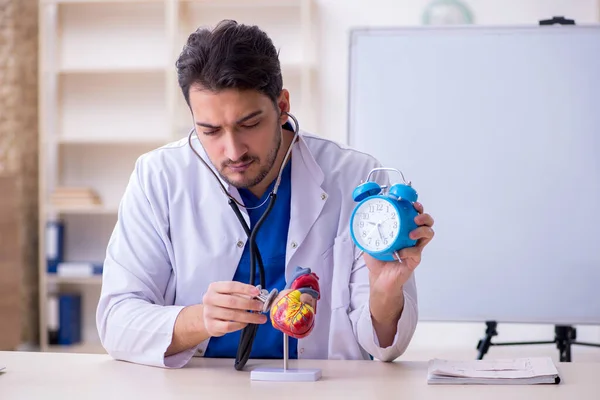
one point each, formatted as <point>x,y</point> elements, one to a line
<point>249,332</point>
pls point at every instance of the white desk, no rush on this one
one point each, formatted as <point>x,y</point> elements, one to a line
<point>84,376</point>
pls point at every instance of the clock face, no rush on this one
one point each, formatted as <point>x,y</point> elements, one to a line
<point>376,224</point>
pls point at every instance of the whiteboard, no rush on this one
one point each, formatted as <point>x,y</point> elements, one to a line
<point>498,128</point>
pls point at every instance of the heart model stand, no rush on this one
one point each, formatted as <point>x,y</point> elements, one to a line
<point>284,374</point>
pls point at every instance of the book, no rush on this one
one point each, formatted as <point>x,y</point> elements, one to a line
<point>519,371</point>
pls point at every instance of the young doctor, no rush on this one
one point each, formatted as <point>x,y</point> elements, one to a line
<point>176,273</point>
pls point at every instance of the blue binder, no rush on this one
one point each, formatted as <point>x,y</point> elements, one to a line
<point>54,244</point>
<point>69,318</point>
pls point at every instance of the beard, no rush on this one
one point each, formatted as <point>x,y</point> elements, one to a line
<point>248,179</point>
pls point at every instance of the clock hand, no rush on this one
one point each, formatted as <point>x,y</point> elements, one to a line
<point>371,232</point>
<point>379,231</point>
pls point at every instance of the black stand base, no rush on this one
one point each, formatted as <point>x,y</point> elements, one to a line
<point>564,337</point>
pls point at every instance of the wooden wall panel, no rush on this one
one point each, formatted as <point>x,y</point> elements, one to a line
<point>18,152</point>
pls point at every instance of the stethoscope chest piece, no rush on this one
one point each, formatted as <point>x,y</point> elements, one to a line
<point>267,298</point>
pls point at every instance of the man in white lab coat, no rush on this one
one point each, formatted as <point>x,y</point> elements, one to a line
<point>177,268</point>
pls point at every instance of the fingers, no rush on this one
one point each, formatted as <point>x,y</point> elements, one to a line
<point>227,314</point>
<point>230,306</point>
<point>219,321</point>
<point>422,232</point>
<point>423,235</point>
<point>232,301</point>
<point>220,328</point>
<point>424,219</point>
<point>231,287</point>
<point>410,253</point>
<point>418,206</point>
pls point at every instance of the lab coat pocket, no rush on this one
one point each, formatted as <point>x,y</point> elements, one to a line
<point>343,260</point>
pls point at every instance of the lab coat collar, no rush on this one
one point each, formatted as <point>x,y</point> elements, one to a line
<point>300,150</point>
<point>308,198</point>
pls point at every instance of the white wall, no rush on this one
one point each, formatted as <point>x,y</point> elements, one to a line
<point>336,18</point>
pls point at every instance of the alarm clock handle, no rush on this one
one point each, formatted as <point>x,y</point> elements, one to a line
<point>388,169</point>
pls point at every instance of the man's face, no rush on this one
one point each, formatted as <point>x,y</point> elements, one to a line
<point>240,131</point>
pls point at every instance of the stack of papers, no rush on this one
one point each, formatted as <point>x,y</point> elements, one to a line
<point>520,371</point>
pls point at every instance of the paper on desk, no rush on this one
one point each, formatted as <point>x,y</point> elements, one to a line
<point>502,369</point>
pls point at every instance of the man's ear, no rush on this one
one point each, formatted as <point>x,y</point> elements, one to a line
<point>283,104</point>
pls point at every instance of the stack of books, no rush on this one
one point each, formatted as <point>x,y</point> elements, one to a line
<point>75,197</point>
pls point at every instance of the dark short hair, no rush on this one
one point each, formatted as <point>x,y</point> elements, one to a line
<point>230,56</point>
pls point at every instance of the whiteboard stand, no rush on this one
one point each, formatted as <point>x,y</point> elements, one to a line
<point>564,337</point>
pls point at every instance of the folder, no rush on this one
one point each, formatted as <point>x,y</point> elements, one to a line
<point>520,371</point>
<point>54,245</point>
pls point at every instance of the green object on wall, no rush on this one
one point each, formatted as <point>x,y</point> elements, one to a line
<point>447,12</point>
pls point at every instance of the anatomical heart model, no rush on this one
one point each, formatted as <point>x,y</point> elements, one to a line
<point>294,313</point>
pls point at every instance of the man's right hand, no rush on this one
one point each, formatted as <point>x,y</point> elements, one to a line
<point>228,305</point>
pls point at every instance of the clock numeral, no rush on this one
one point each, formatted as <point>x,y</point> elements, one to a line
<point>385,241</point>
<point>392,234</point>
<point>364,234</point>
<point>361,224</point>
<point>395,225</point>
<point>379,207</point>
<point>371,208</point>
<point>377,243</point>
<point>393,215</point>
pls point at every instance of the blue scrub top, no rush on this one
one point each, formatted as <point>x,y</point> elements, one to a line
<point>271,241</point>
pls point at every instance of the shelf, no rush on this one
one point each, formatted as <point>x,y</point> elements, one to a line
<point>101,108</point>
<point>85,210</point>
<point>87,236</point>
<point>84,280</point>
<point>136,140</point>
<point>94,35</point>
<point>105,169</point>
<point>109,94</point>
<point>282,24</point>
<point>113,69</point>
<point>99,1</point>
<point>244,3</point>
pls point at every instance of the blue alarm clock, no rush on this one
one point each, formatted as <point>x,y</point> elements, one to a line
<point>383,218</point>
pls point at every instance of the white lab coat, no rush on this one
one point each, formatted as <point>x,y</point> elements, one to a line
<point>176,234</point>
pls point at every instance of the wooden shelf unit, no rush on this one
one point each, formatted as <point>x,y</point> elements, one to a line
<point>108,93</point>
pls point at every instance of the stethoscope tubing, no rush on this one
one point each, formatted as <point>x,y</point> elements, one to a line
<point>248,333</point>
